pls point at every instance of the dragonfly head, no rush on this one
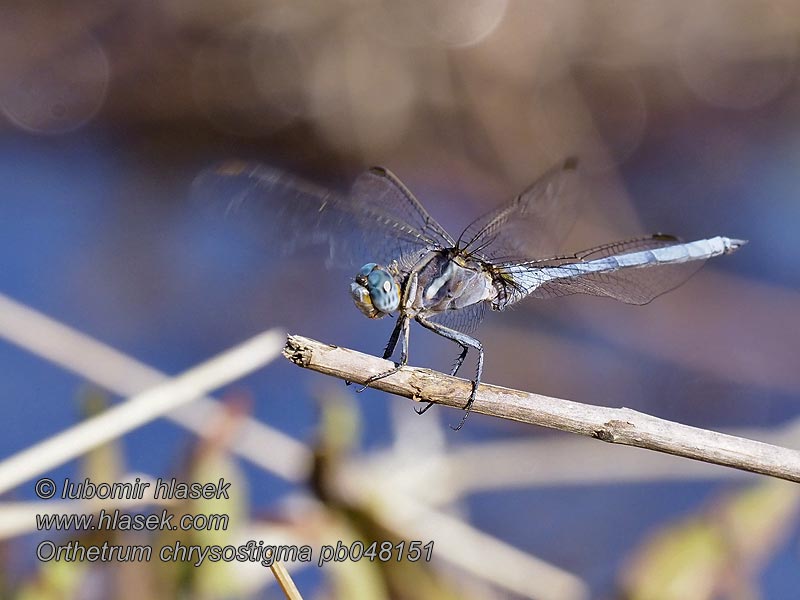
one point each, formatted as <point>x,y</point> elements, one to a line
<point>375,291</point>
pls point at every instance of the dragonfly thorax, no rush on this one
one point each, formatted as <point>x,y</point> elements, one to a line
<point>449,282</point>
<point>375,292</point>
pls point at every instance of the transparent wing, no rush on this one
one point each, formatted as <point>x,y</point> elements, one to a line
<point>378,221</point>
<point>532,225</point>
<point>381,197</point>
<point>465,320</point>
<point>633,285</point>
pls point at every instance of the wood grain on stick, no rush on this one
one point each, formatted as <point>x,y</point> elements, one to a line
<point>613,425</point>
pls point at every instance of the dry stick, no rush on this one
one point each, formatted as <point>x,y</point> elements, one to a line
<point>95,361</point>
<point>614,425</point>
<point>285,581</point>
<point>138,410</point>
<point>78,352</point>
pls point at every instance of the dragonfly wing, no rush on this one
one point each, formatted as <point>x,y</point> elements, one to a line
<point>465,320</point>
<point>635,271</point>
<point>379,220</point>
<point>386,205</point>
<point>532,225</point>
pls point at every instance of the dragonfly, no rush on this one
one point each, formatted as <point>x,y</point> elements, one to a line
<point>419,272</point>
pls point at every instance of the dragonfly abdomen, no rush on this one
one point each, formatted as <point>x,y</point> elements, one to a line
<point>676,253</point>
<point>592,276</point>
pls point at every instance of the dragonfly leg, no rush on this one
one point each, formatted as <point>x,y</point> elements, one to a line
<point>403,323</point>
<point>466,342</point>
<point>459,360</point>
<point>403,326</point>
<point>390,346</point>
<point>456,367</point>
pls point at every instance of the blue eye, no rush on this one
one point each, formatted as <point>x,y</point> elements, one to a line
<point>383,291</point>
<point>376,279</point>
<point>366,269</point>
<point>375,291</point>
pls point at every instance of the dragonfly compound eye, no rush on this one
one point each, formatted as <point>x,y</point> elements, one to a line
<point>383,290</point>
<point>366,270</point>
<point>375,291</point>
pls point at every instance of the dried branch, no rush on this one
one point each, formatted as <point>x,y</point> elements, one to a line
<point>285,581</point>
<point>99,363</point>
<point>497,562</point>
<point>139,409</point>
<point>613,425</point>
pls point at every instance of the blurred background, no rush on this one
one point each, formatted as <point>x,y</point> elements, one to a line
<point>686,118</point>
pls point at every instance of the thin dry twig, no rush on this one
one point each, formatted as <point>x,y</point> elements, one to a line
<point>613,425</point>
<point>106,366</point>
<point>463,545</point>
<point>95,361</point>
<point>138,410</point>
<point>285,581</point>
